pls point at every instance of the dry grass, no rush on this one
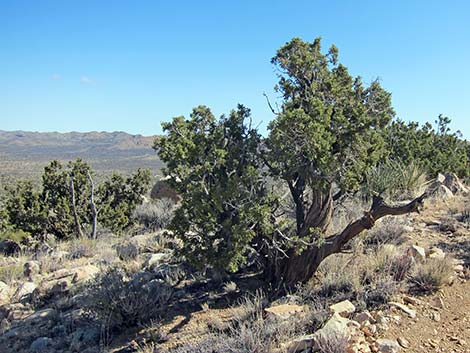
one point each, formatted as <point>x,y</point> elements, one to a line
<point>431,275</point>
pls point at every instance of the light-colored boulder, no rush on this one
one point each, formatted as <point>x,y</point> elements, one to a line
<point>156,259</point>
<point>417,252</point>
<point>283,311</point>
<point>343,308</point>
<point>85,273</point>
<point>24,290</point>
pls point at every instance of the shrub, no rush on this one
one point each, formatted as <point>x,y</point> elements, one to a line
<point>431,275</point>
<point>155,215</point>
<point>82,247</point>
<point>394,180</point>
<point>120,298</point>
<point>16,235</point>
<point>390,230</point>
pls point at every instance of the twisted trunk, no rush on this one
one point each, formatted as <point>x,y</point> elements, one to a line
<point>299,268</point>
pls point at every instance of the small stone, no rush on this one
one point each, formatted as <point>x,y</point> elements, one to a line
<point>403,342</point>
<point>410,312</point>
<point>411,300</point>
<point>85,273</point>
<point>437,302</point>
<point>343,308</point>
<point>435,316</point>
<point>388,346</point>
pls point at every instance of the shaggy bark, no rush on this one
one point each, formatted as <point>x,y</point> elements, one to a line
<point>299,268</point>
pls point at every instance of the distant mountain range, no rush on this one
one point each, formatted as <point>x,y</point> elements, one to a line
<point>24,153</point>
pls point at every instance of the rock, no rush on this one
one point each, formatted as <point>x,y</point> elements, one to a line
<point>44,315</point>
<point>283,311</point>
<point>410,312</point>
<point>9,247</point>
<point>458,268</point>
<point>83,338</point>
<point>127,251</point>
<point>435,316</point>
<point>403,342</point>
<point>31,268</point>
<point>343,308</point>
<point>85,273</point>
<point>41,344</point>
<point>155,260</point>
<point>437,302</point>
<point>388,346</point>
<point>24,291</point>
<point>454,184</point>
<point>163,190</point>
<point>411,300</point>
<point>364,317</point>
<point>417,252</point>
<point>436,253</point>
<point>440,191</point>
<point>336,324</point>
<point>301,344</point>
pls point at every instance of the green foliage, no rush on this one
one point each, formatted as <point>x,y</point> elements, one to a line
<point>328,128</point>
<point>119,197</point>
<point>16,235</point>
<point>56,196</point>
<point>25,209</point>
<point>437,149</point>
<point>394,180</point>
<point>215,164</point>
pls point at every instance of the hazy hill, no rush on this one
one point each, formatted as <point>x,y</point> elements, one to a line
<point>24,154</point>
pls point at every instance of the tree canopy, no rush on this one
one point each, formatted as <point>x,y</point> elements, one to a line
<point>328,132</point>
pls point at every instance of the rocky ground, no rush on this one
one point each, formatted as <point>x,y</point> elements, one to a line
<point>49,298</point>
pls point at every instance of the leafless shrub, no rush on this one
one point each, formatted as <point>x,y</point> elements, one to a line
<point>431,275</point>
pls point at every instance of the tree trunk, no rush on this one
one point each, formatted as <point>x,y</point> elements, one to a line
<point>78,227</point>
<point>299,268</point>
<point>93,208</point>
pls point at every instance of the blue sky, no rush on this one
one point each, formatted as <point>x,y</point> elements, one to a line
<point>129,65</point>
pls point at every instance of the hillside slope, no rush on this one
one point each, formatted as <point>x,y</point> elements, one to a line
<point>24,154</point>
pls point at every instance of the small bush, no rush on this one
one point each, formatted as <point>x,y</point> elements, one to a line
<point>155,215</point>
<point>120,298</point>
<point>431,275</point>
<point>11,272</point>
<point>16,235</point>
<point>82,247</point>
<point>390,230</point>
